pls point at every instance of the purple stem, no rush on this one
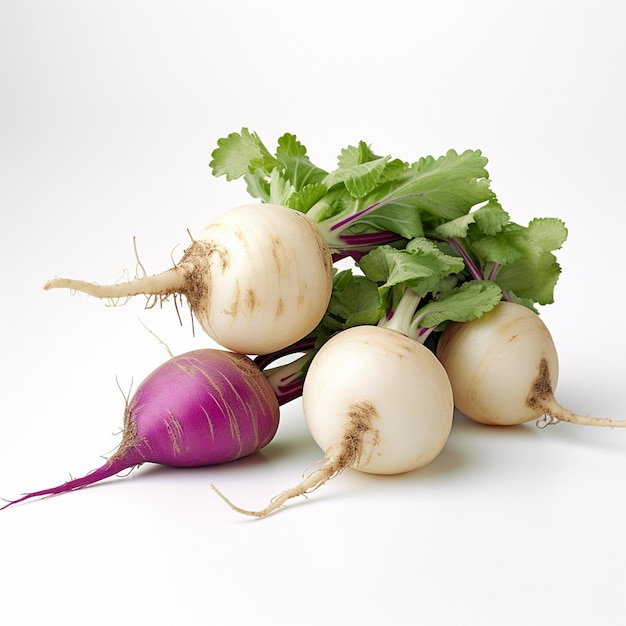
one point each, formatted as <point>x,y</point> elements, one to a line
<point>286,391</point>
<point>347,221</point>
<point>290,391</point>
<point>364,243</point>
<point>494,271</point>
<point>304,345</point>
<point>492,276</point>
<point>338,255</point>
<point>472,268</point>
<point>341,224</point>
<point>370,239</point>
<point>423,333</point>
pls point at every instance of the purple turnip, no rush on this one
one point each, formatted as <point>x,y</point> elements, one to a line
<point>200,408</point>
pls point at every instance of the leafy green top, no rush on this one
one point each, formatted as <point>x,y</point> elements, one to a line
<point>367,199</point>
<point>431,242</point>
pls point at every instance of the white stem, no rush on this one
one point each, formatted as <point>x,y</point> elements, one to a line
<point>284,374</point>
<point>402,316</point>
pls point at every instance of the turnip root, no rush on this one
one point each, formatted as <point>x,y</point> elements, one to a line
<point>200,408</point>
<point>503,368</point>
<point>374,400</point>
<point>257,278</point>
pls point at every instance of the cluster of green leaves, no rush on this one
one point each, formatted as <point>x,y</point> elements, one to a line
<point>416,290</point>
<point>365,194</point>
<point>520,258</point>
<point>287,177</point>
<point>432,243</point>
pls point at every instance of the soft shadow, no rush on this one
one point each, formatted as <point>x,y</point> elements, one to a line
<point>281,448</point>
<point>463,424</point>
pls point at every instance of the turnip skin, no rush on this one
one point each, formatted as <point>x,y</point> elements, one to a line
<point>503,368</point>
<point>406,406</point>
<point>227,410</point>
<point>374,400</point>
<point>204,407</point>
<point>257,278</point>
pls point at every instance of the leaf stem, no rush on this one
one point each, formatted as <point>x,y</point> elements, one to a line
<point>472,268</point>
<point>401,319</point>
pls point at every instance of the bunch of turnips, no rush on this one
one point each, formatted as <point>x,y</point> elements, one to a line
<point>389,292</point>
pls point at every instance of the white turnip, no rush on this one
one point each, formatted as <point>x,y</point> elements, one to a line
<point>503,368</point>
<point>257,278</point>
<point>374,400</point>
<point>200,408</point>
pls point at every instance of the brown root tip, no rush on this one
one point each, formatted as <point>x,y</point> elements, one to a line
<point>542,400</point>
<point>344,454</point>
<point>332,465</point>
<point>555,413</point>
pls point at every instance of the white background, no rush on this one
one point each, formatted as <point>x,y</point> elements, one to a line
<point>109,113</point>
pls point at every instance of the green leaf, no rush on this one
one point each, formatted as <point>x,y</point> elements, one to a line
<point>354,301</point>
<point>289,146</point>
<point>463,304</point>
<point>456,228</point>
<point>420,268</point>
<point>390,187</point>
<point>502,248</point>
<point>397,218</point>
<point>529,269</point>
<point>359,178</point>
<point>238,154</point>
<point>281,189</point>
<point>533,276</point>
<point>304,199</point>
<point>489,219</point>
<point>424,245</point>
<point>394,168</point>
<point>440,189</point>
<point>547,233</point>
<point>257,185</point>
<point>296,165</point>
<point>355,155</point>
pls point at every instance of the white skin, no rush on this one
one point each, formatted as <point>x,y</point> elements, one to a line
<point>374,400</point>
<point>503,368</point>
<point>258,278</point>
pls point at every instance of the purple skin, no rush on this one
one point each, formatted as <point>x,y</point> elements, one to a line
<point>203,407</point>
